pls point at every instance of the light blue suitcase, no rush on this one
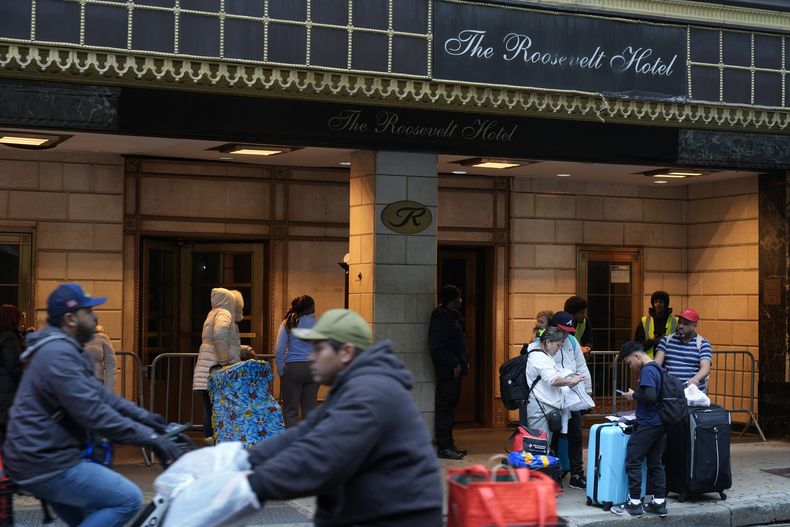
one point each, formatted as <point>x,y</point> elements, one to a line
<point>607,482</point>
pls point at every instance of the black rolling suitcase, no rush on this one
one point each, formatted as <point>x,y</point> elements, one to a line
<point>697,456</point>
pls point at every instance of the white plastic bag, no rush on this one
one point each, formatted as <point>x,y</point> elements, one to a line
<point>575,399</point>
<point>219,498</point>
<point>695,396</point>
<point>225,457</point>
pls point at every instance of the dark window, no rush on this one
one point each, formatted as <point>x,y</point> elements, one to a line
<point>329,48</point>
<point>287,44</point>
<point>15,19</point>
<point>153,30</point>
<point>244,39</point>
<point>369,51</point>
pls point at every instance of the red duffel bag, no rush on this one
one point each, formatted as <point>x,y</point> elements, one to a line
<point>503,497</point>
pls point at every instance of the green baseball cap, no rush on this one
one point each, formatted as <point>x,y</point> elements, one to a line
<point>341,325</point>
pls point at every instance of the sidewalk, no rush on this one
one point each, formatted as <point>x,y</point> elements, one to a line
<point>756,498</point>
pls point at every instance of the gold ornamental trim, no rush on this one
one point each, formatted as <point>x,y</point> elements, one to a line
<point>683,10</point>
<point>71,65</point>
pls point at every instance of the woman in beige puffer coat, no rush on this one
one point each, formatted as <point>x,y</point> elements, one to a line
<point>220,345</point>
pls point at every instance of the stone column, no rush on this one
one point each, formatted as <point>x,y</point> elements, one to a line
<point>774,388</point>
<point>392,276</point>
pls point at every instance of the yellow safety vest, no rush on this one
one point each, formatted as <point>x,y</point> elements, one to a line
<point>647,324</point>
<point>580,330</point>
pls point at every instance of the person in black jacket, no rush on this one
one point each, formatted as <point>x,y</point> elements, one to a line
<point>365,452</point>
<point>58,403</point>
<point>451,363</point>
<point>10,365</point>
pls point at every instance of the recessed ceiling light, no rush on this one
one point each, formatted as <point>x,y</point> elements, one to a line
<point>252,150</point>
<point>255,152</point>
<point>346,163</point>
<point>31,140</point>
<point>459,172</point>
<point>27,141</point>
<point>499,164</point>
<point>563,175</point>
<point>660,182</point>
<point>673,173</point>
<point>685,174</point>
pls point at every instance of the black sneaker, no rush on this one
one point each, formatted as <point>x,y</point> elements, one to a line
<point>578,481</point>
<point>628,509</point>
<point>447,453</point>
<point>655,508</point>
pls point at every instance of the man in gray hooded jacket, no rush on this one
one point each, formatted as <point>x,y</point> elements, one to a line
<point>59,401</point>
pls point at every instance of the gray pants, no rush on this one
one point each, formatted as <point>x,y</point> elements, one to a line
<point>535,417</point>
<point>298,389</point>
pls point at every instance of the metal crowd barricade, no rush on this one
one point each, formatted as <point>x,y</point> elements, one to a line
<point>608,375</point>
<point>170,388</point>
<point>132,390</point>
<point>732,384</point>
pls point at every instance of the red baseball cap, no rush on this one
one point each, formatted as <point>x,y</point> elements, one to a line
<point>690,314</point>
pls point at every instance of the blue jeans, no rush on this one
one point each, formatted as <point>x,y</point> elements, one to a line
<point>90,495</point>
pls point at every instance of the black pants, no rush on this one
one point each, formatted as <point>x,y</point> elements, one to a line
<point>448,393</point>
<point>298,391</point>
<point>575,444</point>
<point>208,430</point>
<point>647,442</point>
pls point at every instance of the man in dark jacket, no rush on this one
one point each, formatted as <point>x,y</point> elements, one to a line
<point>365,452</point>
<point>450,362</point>
<point>659,322</point>
<point>59,401</point>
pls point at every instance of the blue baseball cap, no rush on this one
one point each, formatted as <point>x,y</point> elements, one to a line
<point>70,297</point>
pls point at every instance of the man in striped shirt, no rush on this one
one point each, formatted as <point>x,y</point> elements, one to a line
<point>685,354</point>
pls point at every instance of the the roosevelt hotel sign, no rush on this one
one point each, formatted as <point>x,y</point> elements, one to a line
<point>542,49</point>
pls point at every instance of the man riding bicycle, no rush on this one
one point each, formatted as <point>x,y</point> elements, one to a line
<point>58,404</point>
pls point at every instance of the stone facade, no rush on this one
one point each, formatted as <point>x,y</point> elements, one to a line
<point>88,214</point>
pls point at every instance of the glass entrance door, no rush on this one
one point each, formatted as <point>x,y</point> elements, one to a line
<point>178,278</point>
<point>611,281</point>
<point>177,281</point>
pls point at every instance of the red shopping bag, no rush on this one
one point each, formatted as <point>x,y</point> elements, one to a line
<point>502,497</point>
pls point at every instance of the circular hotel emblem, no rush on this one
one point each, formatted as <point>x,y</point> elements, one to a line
<point>406,217</point>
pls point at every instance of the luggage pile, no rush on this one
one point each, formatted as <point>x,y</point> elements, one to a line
<point>531,450</point>
<point>243,409</point>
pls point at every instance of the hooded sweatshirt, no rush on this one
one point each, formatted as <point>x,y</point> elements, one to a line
<point>220,338</point>
<point>101,352</point>
<point>365,452</point>
<point>59,399</point>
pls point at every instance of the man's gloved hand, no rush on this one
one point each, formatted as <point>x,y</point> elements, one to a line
<point>155,421</point>
<point>165,449</point>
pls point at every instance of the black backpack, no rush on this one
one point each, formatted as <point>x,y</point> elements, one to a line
<point>513,386</point>
<point>672,403</point>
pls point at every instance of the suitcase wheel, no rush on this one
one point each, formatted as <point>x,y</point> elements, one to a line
<point>607,505</point>
<point>589,501</point>
<point>722,496</point>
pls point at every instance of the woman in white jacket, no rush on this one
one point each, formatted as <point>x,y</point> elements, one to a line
<point>220,345</point>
